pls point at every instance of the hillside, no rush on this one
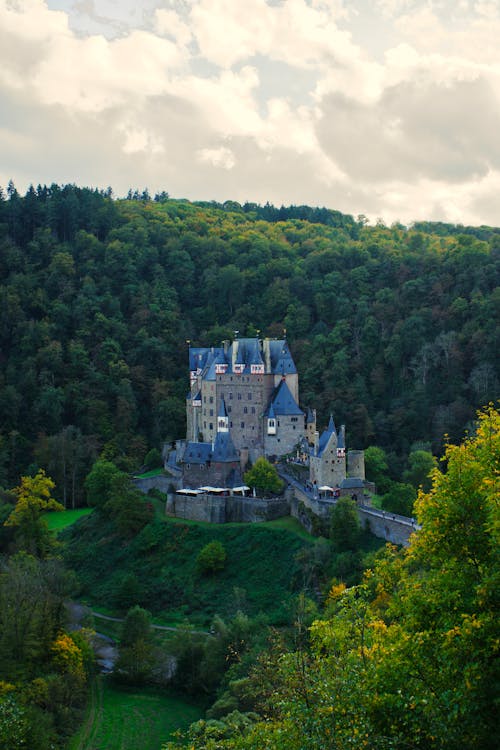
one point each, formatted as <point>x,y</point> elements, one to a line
<point>157,568</point>
<point>394,330</point>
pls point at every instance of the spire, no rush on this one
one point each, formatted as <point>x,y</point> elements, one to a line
<point>331,425</point>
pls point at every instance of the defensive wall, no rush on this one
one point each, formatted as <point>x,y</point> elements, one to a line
<point>382,524</point>
<point>158,482</point>
<point>235,508</point>
<point>226,508</point>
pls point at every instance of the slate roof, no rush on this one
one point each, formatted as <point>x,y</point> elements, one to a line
<point>351,483</point>
<point>325,437</point>
<point>222,409</point>
<point>281,358</point>
<point>249,353</point>
<point>197,453</point>
<point>224,450</point>
<point>283,403</point>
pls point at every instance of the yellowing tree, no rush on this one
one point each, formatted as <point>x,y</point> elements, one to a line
<point>33,499</point>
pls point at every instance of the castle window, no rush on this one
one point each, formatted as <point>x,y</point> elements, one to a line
<point>211,412</point>
<point>229,409</point>
<point>211,399</point>
<point>211,426</point>
<point>295,419</point>
<point>230,396</point>
<point>205,425</point>
<point>239,396</point>
<point>230,424</point>
<point>245,410</point>
<point>249,396</point>
<point>253,409</point>
<point>242,425</point>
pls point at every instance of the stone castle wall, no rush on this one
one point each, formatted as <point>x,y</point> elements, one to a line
<point>389,526</point>
<point>226,509</point>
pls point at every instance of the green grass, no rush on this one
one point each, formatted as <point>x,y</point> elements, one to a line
<point>289,524</point>
<point>157,568</point>
<point>58,520</point>
<point>131,719</point>
<point>151,473</point>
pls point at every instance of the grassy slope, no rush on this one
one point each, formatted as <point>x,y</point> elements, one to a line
<point>57,521</point>
<point>120,719</point>
<point>260,560</point>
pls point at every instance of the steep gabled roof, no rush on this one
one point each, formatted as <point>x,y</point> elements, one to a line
<point>214,358</point>
<point>224,450</point>
<point>283,403</point>
<point>281,358</point>
<point>222,409</point>
<point>326,436</point>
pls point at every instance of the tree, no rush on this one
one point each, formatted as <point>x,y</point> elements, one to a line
<point>153,459</point>
<point>136,650</point>
<point>264,478</point>
<point>345,528</point>
<point>400,499</point>
<point>99,482</point>
<point>33,498</point>
<point>127,506</point>
<point>211,558</point>
<point>420,465</point>
<point>377,468</point>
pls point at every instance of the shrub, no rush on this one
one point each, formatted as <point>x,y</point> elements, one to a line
<point>211,558</point>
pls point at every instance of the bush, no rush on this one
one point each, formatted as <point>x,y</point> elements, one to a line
<point>153,459</point>
<point>211,558</point>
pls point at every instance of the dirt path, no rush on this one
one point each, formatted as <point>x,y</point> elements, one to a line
<point>77,612</point>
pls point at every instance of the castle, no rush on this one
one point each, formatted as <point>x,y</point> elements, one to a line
<point>243,403</point>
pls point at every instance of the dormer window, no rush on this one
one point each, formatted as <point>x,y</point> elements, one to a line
<point>271,426</point>
<point>257,369</point>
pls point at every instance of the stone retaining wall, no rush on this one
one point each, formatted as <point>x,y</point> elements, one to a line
<point>388,526</point>
<point>226,509</point>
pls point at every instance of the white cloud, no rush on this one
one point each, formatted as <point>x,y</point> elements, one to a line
<point>219,157</point>
<point>181,101</point>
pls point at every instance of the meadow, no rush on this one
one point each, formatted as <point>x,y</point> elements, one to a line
<point>128,719</point>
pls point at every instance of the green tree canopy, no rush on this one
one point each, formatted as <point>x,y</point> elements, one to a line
<point>264,478</point>
<point>211,558</point>
<point>33,499</point>
<point>345,527</point>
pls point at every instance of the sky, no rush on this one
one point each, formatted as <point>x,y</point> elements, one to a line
<point>387,108</point>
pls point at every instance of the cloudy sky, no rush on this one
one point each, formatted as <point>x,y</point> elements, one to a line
<point>390,108</point>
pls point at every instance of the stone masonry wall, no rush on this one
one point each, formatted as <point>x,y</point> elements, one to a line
<point>389,526</point>
<point>229,509</point>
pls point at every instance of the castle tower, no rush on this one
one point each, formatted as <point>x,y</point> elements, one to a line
<point>356,464</point>
<point>327,465</point>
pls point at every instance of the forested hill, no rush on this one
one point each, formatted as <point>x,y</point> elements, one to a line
<point>393,330</point>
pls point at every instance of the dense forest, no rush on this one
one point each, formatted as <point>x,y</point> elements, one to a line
<point>312,643</point>
<point>394,330</point>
